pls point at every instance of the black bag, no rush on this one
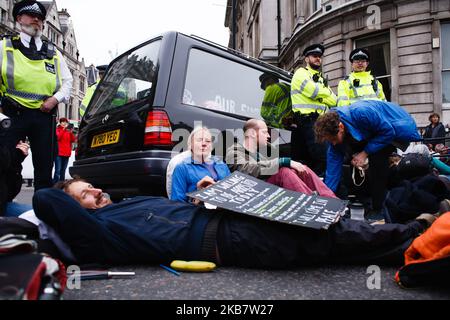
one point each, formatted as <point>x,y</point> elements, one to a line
<point>411,198</point>
<point>413,165</point>
<point>429,273</point>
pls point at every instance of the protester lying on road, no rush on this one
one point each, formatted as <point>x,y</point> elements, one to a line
<point>157,230</point>
<point>251,158</point>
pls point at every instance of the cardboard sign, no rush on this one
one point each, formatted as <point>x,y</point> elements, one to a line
<point>245,194</point>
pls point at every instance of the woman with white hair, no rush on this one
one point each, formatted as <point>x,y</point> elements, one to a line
<point>199,170</point>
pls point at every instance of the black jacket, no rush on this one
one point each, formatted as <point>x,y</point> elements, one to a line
<point>10,175</point>
<point>436,132</point>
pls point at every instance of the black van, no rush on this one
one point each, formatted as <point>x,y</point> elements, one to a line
<point>152,97</point>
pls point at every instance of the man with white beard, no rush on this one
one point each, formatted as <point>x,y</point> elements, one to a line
<point>35,78</point>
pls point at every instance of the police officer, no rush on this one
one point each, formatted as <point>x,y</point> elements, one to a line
<point>91,89</point>
<point>120,98</point>
<point>276,107</point>
<point>360,84</point>
<point>311,97</point>
<point>35,78</point>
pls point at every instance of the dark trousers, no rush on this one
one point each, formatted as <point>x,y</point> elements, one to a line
<point>60,168</point>
<point>379,175</point>
<point>304,146</point>
<point>257,243</point>
<point>37,126</point>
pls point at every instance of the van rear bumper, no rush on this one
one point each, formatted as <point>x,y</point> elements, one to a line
<point>139,171</point>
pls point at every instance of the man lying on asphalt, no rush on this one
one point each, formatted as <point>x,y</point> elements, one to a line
<point>156,230</point>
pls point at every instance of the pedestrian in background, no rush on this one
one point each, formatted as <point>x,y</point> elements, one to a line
<point>65,139</point>
<point>35,78</point>
<point>434,130</point>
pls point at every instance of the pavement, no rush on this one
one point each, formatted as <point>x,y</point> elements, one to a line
<point>332,282</point>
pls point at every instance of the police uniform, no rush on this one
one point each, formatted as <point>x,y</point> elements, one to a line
<point>359,85</point>
<point>120,98</point>
<point>32,71</point>
<point>276,106</point>
<point>310,97</point>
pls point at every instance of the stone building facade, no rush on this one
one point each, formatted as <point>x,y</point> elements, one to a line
<point>60,31</point>
<point>409,41</point>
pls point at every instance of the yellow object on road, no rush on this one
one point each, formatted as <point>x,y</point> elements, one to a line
<point>193,266</point>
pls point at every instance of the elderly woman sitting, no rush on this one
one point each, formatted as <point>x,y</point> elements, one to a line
<point>199,170</point>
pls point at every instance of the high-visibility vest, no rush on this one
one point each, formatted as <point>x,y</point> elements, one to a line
<point>276,104</point>
<point>120,98</point>
<point>28,82</point>
<point>359,86</point>
<point>87,98</point>
<point>309,93</point>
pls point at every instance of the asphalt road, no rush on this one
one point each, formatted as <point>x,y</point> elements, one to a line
<point>323,283</point>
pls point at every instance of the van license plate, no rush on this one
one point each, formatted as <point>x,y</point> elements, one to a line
<point>106,138</point>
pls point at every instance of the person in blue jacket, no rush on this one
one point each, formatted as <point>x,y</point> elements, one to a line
<point>366,130</point>
<point>199,170</point>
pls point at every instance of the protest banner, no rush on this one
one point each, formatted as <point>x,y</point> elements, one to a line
<point>245,194</point>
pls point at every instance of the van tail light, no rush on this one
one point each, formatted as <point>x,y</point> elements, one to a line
<point>157,129</point>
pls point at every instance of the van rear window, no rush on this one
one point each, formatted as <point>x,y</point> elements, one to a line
<point>216,83</point>
<point>128,79</point>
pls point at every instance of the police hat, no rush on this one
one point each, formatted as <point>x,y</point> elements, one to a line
<point>102,68</point>
<point>314,49</point>
<point>30,7</point>
<point>359,54</point>
<point>266,76</point>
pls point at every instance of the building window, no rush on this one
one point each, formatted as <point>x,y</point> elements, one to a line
<point>257,47</point>
<point>445,36</point>
<point>3,16</point>
<point>53,36</point>
<point>294,13</point>
<point>82,84</point>
<point>316,5</point>
<point>380,59</point>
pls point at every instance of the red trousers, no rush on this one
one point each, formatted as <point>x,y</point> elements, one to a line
<point>305,182</point>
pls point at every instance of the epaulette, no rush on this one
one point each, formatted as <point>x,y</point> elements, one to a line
<point>49,49</point>
<point>7,36</point>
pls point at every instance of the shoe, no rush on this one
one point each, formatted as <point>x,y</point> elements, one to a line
<point>374,216</point>
<point>428,218</point>
<point>444,206</point>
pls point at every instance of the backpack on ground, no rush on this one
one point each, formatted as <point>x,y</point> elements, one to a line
<point>413,165</point>
<point>427,260</point>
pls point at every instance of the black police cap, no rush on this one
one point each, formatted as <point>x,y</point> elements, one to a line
<point>316,48</point>
<point>266,76</point>
<point>102,68</point>
<point>30,7</point>
<point>359,54</point>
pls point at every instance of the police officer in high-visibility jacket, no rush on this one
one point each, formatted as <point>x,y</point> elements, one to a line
<point>91,89</point>
<point>311,97</point>
<point>120,98</point>
<point>276,108</point>
<point>34,79</point>
<point>360,84</point>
